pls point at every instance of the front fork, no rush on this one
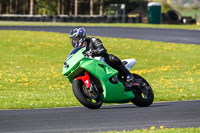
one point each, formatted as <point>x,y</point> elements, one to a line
<point>85,79</point>
<point>90,89</point>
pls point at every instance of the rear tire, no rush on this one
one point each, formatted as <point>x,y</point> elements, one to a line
<point>78,89</point>
<point>144,96</point>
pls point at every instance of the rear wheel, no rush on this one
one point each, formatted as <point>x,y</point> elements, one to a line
<point>143,94</point>
<point>86,96</point>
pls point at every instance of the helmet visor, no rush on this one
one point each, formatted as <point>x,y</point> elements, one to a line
<point>75,39</point>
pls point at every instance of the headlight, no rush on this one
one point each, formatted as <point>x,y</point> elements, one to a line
<point>66,65</point>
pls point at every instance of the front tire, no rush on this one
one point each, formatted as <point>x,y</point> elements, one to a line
<point>144,95</point>
<point>87,100</point>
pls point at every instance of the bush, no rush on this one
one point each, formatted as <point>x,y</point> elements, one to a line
<point>165,7</point>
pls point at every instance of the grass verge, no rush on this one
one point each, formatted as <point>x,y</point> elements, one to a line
<point>31,68</point>
<point>161,130</point>
<point>166,26</point>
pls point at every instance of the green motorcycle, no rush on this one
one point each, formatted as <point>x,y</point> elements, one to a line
<point>94,82</point>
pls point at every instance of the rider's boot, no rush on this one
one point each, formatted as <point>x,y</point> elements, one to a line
<point>129,78</point>
<point>131,81</point>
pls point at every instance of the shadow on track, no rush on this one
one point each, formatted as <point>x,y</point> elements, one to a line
<point>131,106</point>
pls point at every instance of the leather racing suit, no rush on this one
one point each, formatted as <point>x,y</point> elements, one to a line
<point>97,49</point>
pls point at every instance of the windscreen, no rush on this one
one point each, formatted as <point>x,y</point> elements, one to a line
<point>73,52</point>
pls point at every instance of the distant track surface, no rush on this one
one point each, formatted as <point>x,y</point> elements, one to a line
<point>112,117</point>
<point>154,34</point>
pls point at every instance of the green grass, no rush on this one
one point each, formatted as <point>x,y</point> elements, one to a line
<point>190,12</point>
<point>31,68</point>
<point>162,130</point>
<point>166,26</point>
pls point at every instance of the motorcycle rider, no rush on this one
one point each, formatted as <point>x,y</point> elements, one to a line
<point>95,47</point>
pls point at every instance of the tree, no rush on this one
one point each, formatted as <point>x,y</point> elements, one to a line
<point>25,7</point>
<point>70,7</point>
<point>58,12</point>
<point>46,7</point>
<point>63,7</point>
<point>101,8</point>
<point>10,7</point>
<point>0,7</point>
<point>76,8</point>
<point>31,7</point>
<point>16,6</point>
<point>91,7</point>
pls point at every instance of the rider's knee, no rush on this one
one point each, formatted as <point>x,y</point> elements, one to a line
<point>114,59</point>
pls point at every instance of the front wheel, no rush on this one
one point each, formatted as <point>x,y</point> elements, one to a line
<point>143,94</point>
<point>89,99</point>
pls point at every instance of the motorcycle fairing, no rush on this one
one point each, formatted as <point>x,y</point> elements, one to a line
<point>103,72</point>
<point>112,93</point>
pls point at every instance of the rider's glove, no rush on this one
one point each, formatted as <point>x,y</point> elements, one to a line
<point>94,52</point>
<point>91,53</point>
<point>88,53</point>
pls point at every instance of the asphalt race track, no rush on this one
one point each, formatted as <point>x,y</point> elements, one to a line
<point>113,117</point>
<point>165,35</point>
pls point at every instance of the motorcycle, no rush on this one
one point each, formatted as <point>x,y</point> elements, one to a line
<point>94,82</point>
